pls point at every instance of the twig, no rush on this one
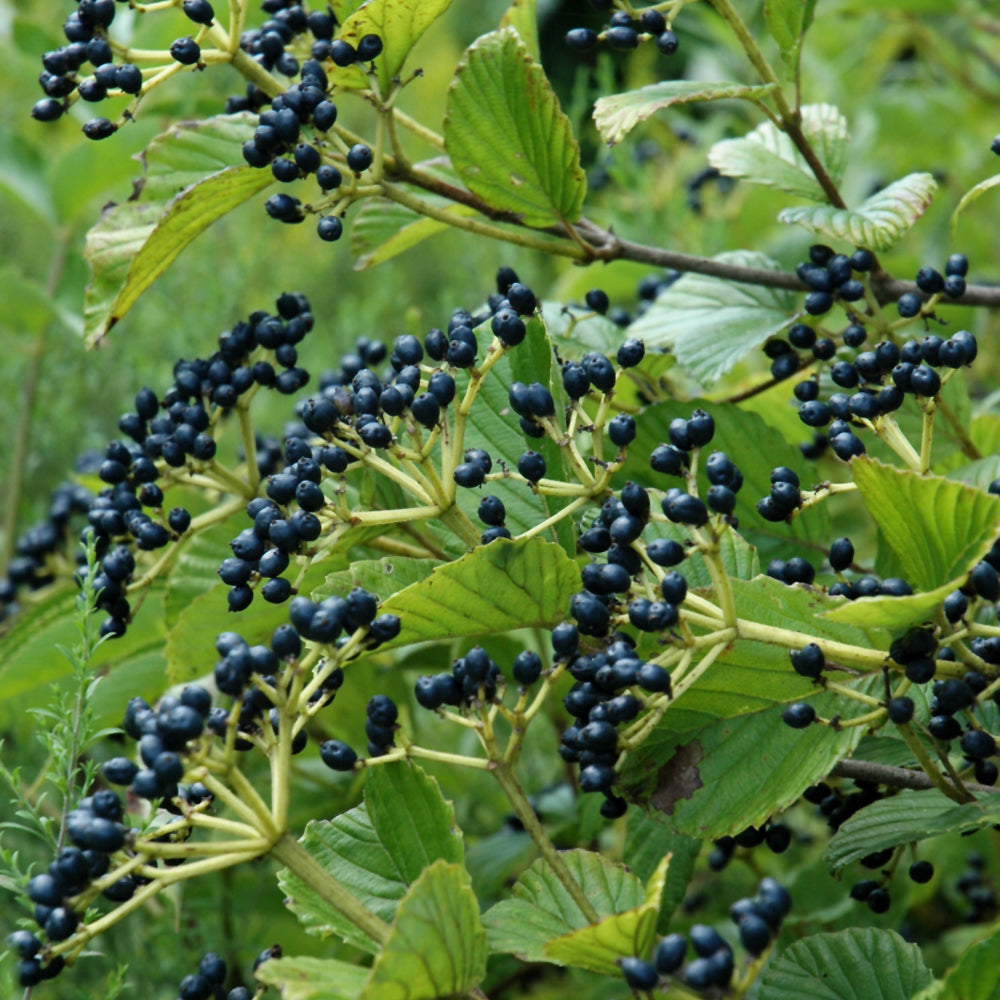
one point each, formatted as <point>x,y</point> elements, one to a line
<point>898,777</point>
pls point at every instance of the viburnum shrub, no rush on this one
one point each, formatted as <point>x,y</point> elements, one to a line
<point>554,568</point>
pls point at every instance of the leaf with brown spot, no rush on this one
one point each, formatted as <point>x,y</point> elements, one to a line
<point>678,779</point>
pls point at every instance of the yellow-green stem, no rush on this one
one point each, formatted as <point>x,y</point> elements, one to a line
<point>300,862</point>
<point>524,812</point>
<point>931,769</point>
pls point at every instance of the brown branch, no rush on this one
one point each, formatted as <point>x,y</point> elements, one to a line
<point>898,777</point>
<point>605,245</point>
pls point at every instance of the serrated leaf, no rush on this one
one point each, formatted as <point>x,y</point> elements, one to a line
<point>977,974</point>
<point>376,850</point>
<point>495,588</point>
<point>303,977</point>
<point>736,772</point>
<point>502,101</point>
<point>573,335</point>
<point>892,612</point>
<point>854,964</point>
<point>957,523</point>
<point>711,324</point>
<point>905,817</point>
<point>768,156</point>
<point>878,223</point>
<point>522,16</point>
<point>400,24</point>
<point>647,839</point>
<point>597,947</point>
<point>192,180</point>
<point>543,910</point>
<point>437,946</point>
<point>411,817</point>
<point>617,114</point>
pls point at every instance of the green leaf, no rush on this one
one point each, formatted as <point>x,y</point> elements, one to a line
<point>191,638</point>
<point>28,661</point>
<point>411,817</point>
<point>878,222</point>
<point>302,977</point>
<point>788,21</point>
<point>977,974</point>
<point>190,647</point>
<point>598,946</point>
<point>969,198</point>
<point>192,180</point>
<point>768,156</point>
<point>711,324</point>
<point>648,839</point>
<point>28,309</point>
<point>376,849</point>
<point>495,588</point>
<point>573,336</point>
<point>617,114</point>
<point>957,523</point>
<point>437,947</point>
<point>854,964</point>
<point>766,601</point>
<point>905,817</point>
<point>502,101</point>
<point>381,577</point>
<point>522,16</point>
<point>384,229</point>
<point>196,569</point>
<point>736,772</point>
<point>400,24</point>
<point>542,910</point>
<point>892,612</point>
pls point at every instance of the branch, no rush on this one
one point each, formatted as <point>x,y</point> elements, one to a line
<point>898,777</point>
<point>605,245</point>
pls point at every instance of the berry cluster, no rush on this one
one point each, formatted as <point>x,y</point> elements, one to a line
<point>758,920</point>
<point>876,380</point>
<point>43,547</point>
<point>97,832</point>
<point>624,32</point>
<point>63,79</point>
<point>278,142</point>
<point>185,733</point>
<point>208,982</point>
<point>777,837</point>
<point>163,735</point>
<point>474,679</point>
<point>179,432</point>
<point>610,688</point>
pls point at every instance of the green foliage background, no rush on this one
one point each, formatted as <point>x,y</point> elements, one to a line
<point>917,82</point>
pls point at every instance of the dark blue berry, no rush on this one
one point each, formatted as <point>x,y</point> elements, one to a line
<point>799,715</point>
